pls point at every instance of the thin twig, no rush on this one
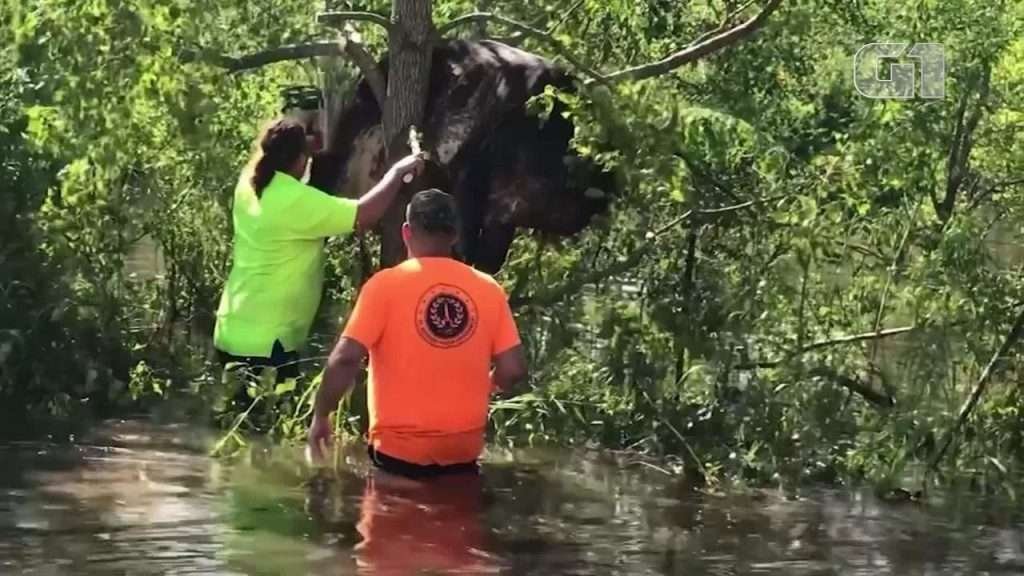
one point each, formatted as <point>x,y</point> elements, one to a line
<point>565,17</point>
<point>993,189</point>
<point>726,22</point>
<point>233,431</point>
<point>651,466</point>
<point>891,278</point>
<point>689,450</point>
<point>713,212</point>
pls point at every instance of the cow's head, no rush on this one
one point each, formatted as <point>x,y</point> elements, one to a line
<point>589,187</point>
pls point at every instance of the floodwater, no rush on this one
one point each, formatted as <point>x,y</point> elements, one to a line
<point>137,498</point>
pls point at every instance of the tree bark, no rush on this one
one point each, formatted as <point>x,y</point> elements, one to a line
<point>409,59</point>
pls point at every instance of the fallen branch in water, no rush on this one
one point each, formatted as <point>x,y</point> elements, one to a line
<point>693,455</point>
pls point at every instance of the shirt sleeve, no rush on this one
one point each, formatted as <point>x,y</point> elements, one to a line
<point>316,214</point>
<point>366,323</point>
<point>507,335</point>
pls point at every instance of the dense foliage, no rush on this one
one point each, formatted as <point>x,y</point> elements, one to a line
<point>768,214</point>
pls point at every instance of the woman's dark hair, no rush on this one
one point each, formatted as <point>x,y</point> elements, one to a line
<point>282,143</point>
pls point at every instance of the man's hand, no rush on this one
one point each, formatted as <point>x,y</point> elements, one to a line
<point>509,371</point>
<point>319,439</point>
<point>339,376</point>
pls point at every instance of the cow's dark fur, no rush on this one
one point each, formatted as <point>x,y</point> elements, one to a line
<point>507,169</point>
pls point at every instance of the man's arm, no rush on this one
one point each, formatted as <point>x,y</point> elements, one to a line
<point>510,371</point>
<point>374,203</point>
<point>339,376</point>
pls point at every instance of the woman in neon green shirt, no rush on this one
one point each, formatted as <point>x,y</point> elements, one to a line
<point>280,223</point>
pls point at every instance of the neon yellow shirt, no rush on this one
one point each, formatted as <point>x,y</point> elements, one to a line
<point>277,270</point>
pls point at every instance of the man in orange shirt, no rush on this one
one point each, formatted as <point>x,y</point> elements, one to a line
<point>432,327</point>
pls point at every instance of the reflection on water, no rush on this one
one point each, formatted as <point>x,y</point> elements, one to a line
<point>142,499</point>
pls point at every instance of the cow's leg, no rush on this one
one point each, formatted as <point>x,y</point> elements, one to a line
<point>495,240</point>
<point>471,192</point>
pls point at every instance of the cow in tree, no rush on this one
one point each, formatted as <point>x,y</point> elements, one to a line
<point>507,169</point>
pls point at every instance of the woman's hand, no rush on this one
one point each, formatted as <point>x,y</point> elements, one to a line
<point>374,203</point>
<point>406,169</point>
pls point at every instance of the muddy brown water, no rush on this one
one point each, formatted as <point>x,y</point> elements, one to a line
<point>139,498</point>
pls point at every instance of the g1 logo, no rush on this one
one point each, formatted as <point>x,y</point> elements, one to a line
<point>873,59</point>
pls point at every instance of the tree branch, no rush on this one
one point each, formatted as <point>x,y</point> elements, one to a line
<point>336,19</point>
<point>366,63</point>
<point>565,16</point>
<point>556,295</point>
<point>698,49</point>
<point>855,385</point>
<point>346,45</point>
<point>726,23</point>
<point>958,163</point>
<point>526,29</point>
<point>567,289</point>
<point>987,192</point>
<point>857,338</point>
<point>262,58</point>
<point>848,339</point>
<point>705,44</point>
<point>996,363</point>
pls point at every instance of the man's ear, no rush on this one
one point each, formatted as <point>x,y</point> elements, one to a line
<point>406,231</point>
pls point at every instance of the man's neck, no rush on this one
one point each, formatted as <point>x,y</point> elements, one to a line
<point>429,254</point>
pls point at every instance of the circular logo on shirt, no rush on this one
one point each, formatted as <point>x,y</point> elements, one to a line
<point>446,316</point>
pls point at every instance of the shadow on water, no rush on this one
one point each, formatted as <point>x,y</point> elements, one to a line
<point>135,498</point>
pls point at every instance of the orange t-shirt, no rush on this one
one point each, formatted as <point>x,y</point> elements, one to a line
<point>432,327</point>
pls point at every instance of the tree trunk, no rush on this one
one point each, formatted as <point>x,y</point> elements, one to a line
<point>409,50</point>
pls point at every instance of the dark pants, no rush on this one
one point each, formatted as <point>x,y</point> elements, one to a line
<point>286,363</point>
<point>398,467</point>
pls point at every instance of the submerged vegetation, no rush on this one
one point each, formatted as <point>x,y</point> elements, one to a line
<point>796,283</point>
